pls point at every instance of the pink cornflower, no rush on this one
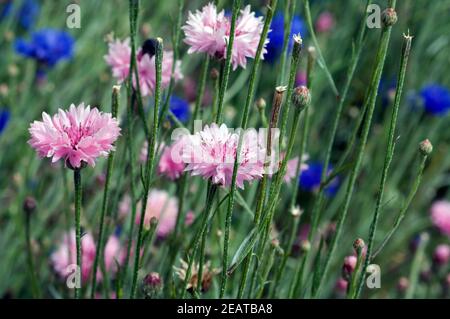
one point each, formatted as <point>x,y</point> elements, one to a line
<point>66,255</point>
<point>171,164</point>
<point>325,22</point>
<point>208,31</point>
<point>78,135</point>
<point>440,216</point>
<point>211,154</point>
<point>114,254</point>
<point>118,58</point>
<point>291,168</point>
<point>163,207</point>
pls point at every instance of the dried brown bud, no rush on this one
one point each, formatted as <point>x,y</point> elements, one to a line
<point>29,204</point>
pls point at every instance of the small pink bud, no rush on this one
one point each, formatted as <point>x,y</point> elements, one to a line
<point>325,22</point>
<point>341,285</point>
<point>441,254</point>
<point>350,264</point>
<point>403,284</point>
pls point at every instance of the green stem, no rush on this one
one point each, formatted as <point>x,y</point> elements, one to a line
<point>416,264</point>
<point>405,207</point>
<point>77,183</point>
<point>175,48</point>
<point>315,213</point>
<point>199,234</point>
<point>321,59</point>
<point>30,261</point>
<point>109,169</point>
<point>371,99</point>
<point>289,13</point>
<point>244,122</point>
<point>201,90</point>
<point>387,161</point>
<point>286,254</point>
<point>150,162</point>
<point>227,66</point>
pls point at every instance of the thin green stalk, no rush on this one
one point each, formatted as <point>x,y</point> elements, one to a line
<point>175,48</point>
<point>289,13</point>
<point>198,236</point>
<point>387,161</point>
<point>109,169</point>
<point>305,131</point>
<point>295,62</point>
<point>353,282</point>
<point>78,194</point>
<point>287,252</point>
<point>227,66</point>
<point>244,122</point>
<point>315,213</point>
<point>201,90</point>
<point>405,207</point>
<point>416,264</point>
<point>321,59</point>
<point>30,260</point>
<point>267,267</point>
<point>376,76</point>
<point>150,162</point>
<point>132,173</point>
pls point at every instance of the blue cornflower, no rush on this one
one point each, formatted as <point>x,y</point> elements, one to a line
<point>436,99</point>
<point>310,179</point>
<point>276,35</point>
<point>26,15</point>
<point>4,119</point>
<point>5,9</point>
<point>180,108</point>
<point>47,46</point>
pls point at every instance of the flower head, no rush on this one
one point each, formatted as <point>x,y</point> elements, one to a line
<point>4,119</point>
<point>77,136</point>
<point>440,216</point>
<point>114,254</point>
<point>441,254</point>
<point>436,99</point>
<point>207,275</point>
<point>325,22</point>
<point>47,46</point>
<point>180,108</point>
<point>118,58</point>
<point>211,153</point>
<point>26,15</point>
<point>208,31</point>
<point>276,36</point>
<point>66,255</point>
<point>310,179</point>
<point>163,207</point>
<point>168,164</point>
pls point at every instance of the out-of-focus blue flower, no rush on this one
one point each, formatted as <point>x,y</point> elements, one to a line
<point>26,15</point>
<point>47,46</point>
<point>5,9</point>
<point>310,179</point>
<point>386,90</point>
<point>4,119</point>
<point>276,35</point>
<point>436,99</point>
<point>180,108</point>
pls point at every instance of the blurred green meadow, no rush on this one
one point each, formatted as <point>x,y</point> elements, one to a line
<point>87,78</point>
